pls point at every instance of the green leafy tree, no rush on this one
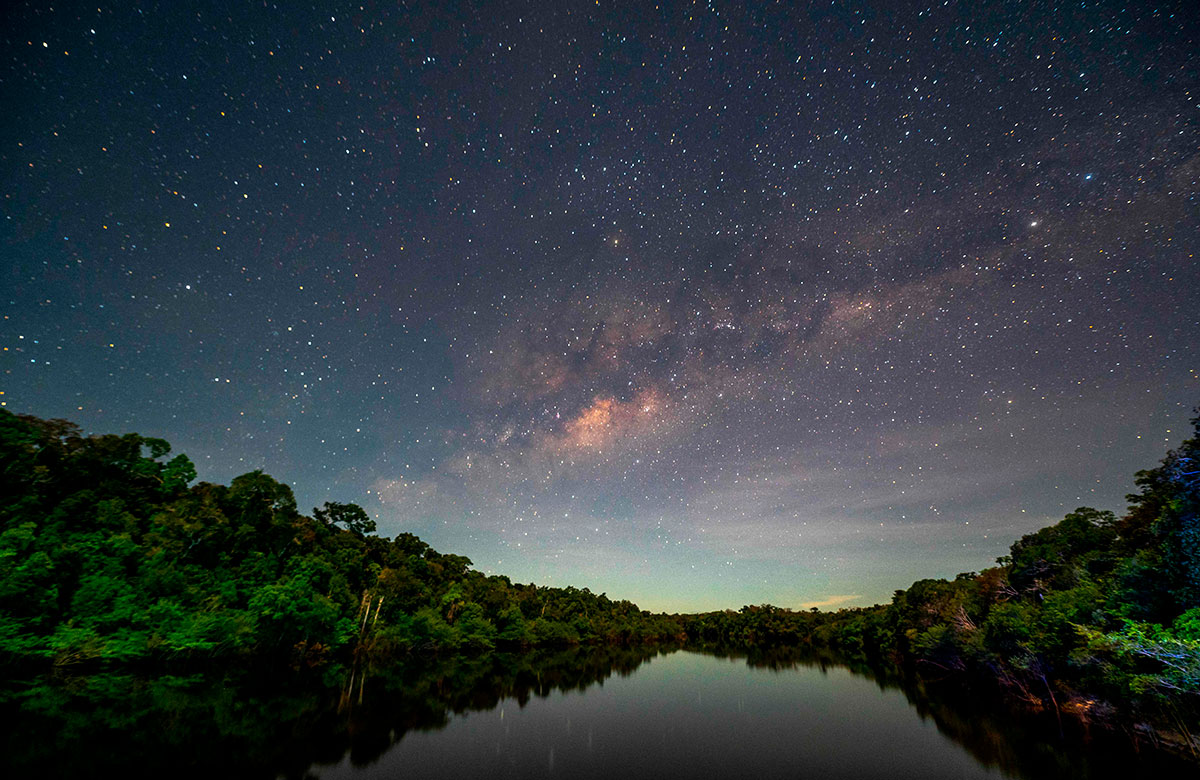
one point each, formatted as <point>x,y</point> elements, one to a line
<point>352,517</point>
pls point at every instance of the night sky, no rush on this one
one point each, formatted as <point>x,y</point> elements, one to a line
<point>697,305</point>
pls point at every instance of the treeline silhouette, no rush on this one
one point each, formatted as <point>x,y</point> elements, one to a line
<point>1093,612</point>
<point>111,555</point>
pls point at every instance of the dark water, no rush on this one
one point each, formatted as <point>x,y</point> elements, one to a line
<point>572,714</point>
<point>690,715</point>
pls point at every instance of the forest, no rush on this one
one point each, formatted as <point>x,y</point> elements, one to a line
<point>114,556</point>
<point>1096,616</point>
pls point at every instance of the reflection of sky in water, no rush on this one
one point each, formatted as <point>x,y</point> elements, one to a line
<point>583,712</point>
<point>691,715</point>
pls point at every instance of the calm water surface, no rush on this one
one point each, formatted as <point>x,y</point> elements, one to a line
<point>578,713</point>
<point>692,715</point>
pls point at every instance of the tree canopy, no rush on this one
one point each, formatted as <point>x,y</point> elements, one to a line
<point>111,554</point>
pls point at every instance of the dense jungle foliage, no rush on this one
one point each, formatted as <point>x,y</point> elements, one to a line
<point>107,554</point>
<point>1090,611</point>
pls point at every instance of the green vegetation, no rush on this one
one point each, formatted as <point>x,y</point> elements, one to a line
<point>1087,613</point>
<point>109,556</point>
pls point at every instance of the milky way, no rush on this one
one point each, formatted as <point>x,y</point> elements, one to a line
<point>698,305</point>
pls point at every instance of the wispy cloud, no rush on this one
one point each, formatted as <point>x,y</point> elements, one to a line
<point>831,601</point>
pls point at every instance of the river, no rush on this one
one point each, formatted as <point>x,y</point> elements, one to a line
<point>693,715</point>
<point>607,713</point>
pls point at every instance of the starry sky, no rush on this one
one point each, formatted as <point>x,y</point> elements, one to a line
<point>696,304</point>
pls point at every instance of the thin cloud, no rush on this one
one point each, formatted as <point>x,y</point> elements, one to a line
<point>831,601</point>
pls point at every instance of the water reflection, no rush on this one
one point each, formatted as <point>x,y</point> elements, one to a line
<point>998,734</point>
<point>722,713</point>
<point>425,695</point>
<point>251,723</point>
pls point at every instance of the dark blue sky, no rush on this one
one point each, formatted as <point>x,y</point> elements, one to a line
<point>699,305</point>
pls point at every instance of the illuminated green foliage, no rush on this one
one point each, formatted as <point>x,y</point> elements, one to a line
<point>111,555</point>
<point>1094,603</point>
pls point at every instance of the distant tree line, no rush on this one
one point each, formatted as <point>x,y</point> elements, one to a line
<point>1094,610</point>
